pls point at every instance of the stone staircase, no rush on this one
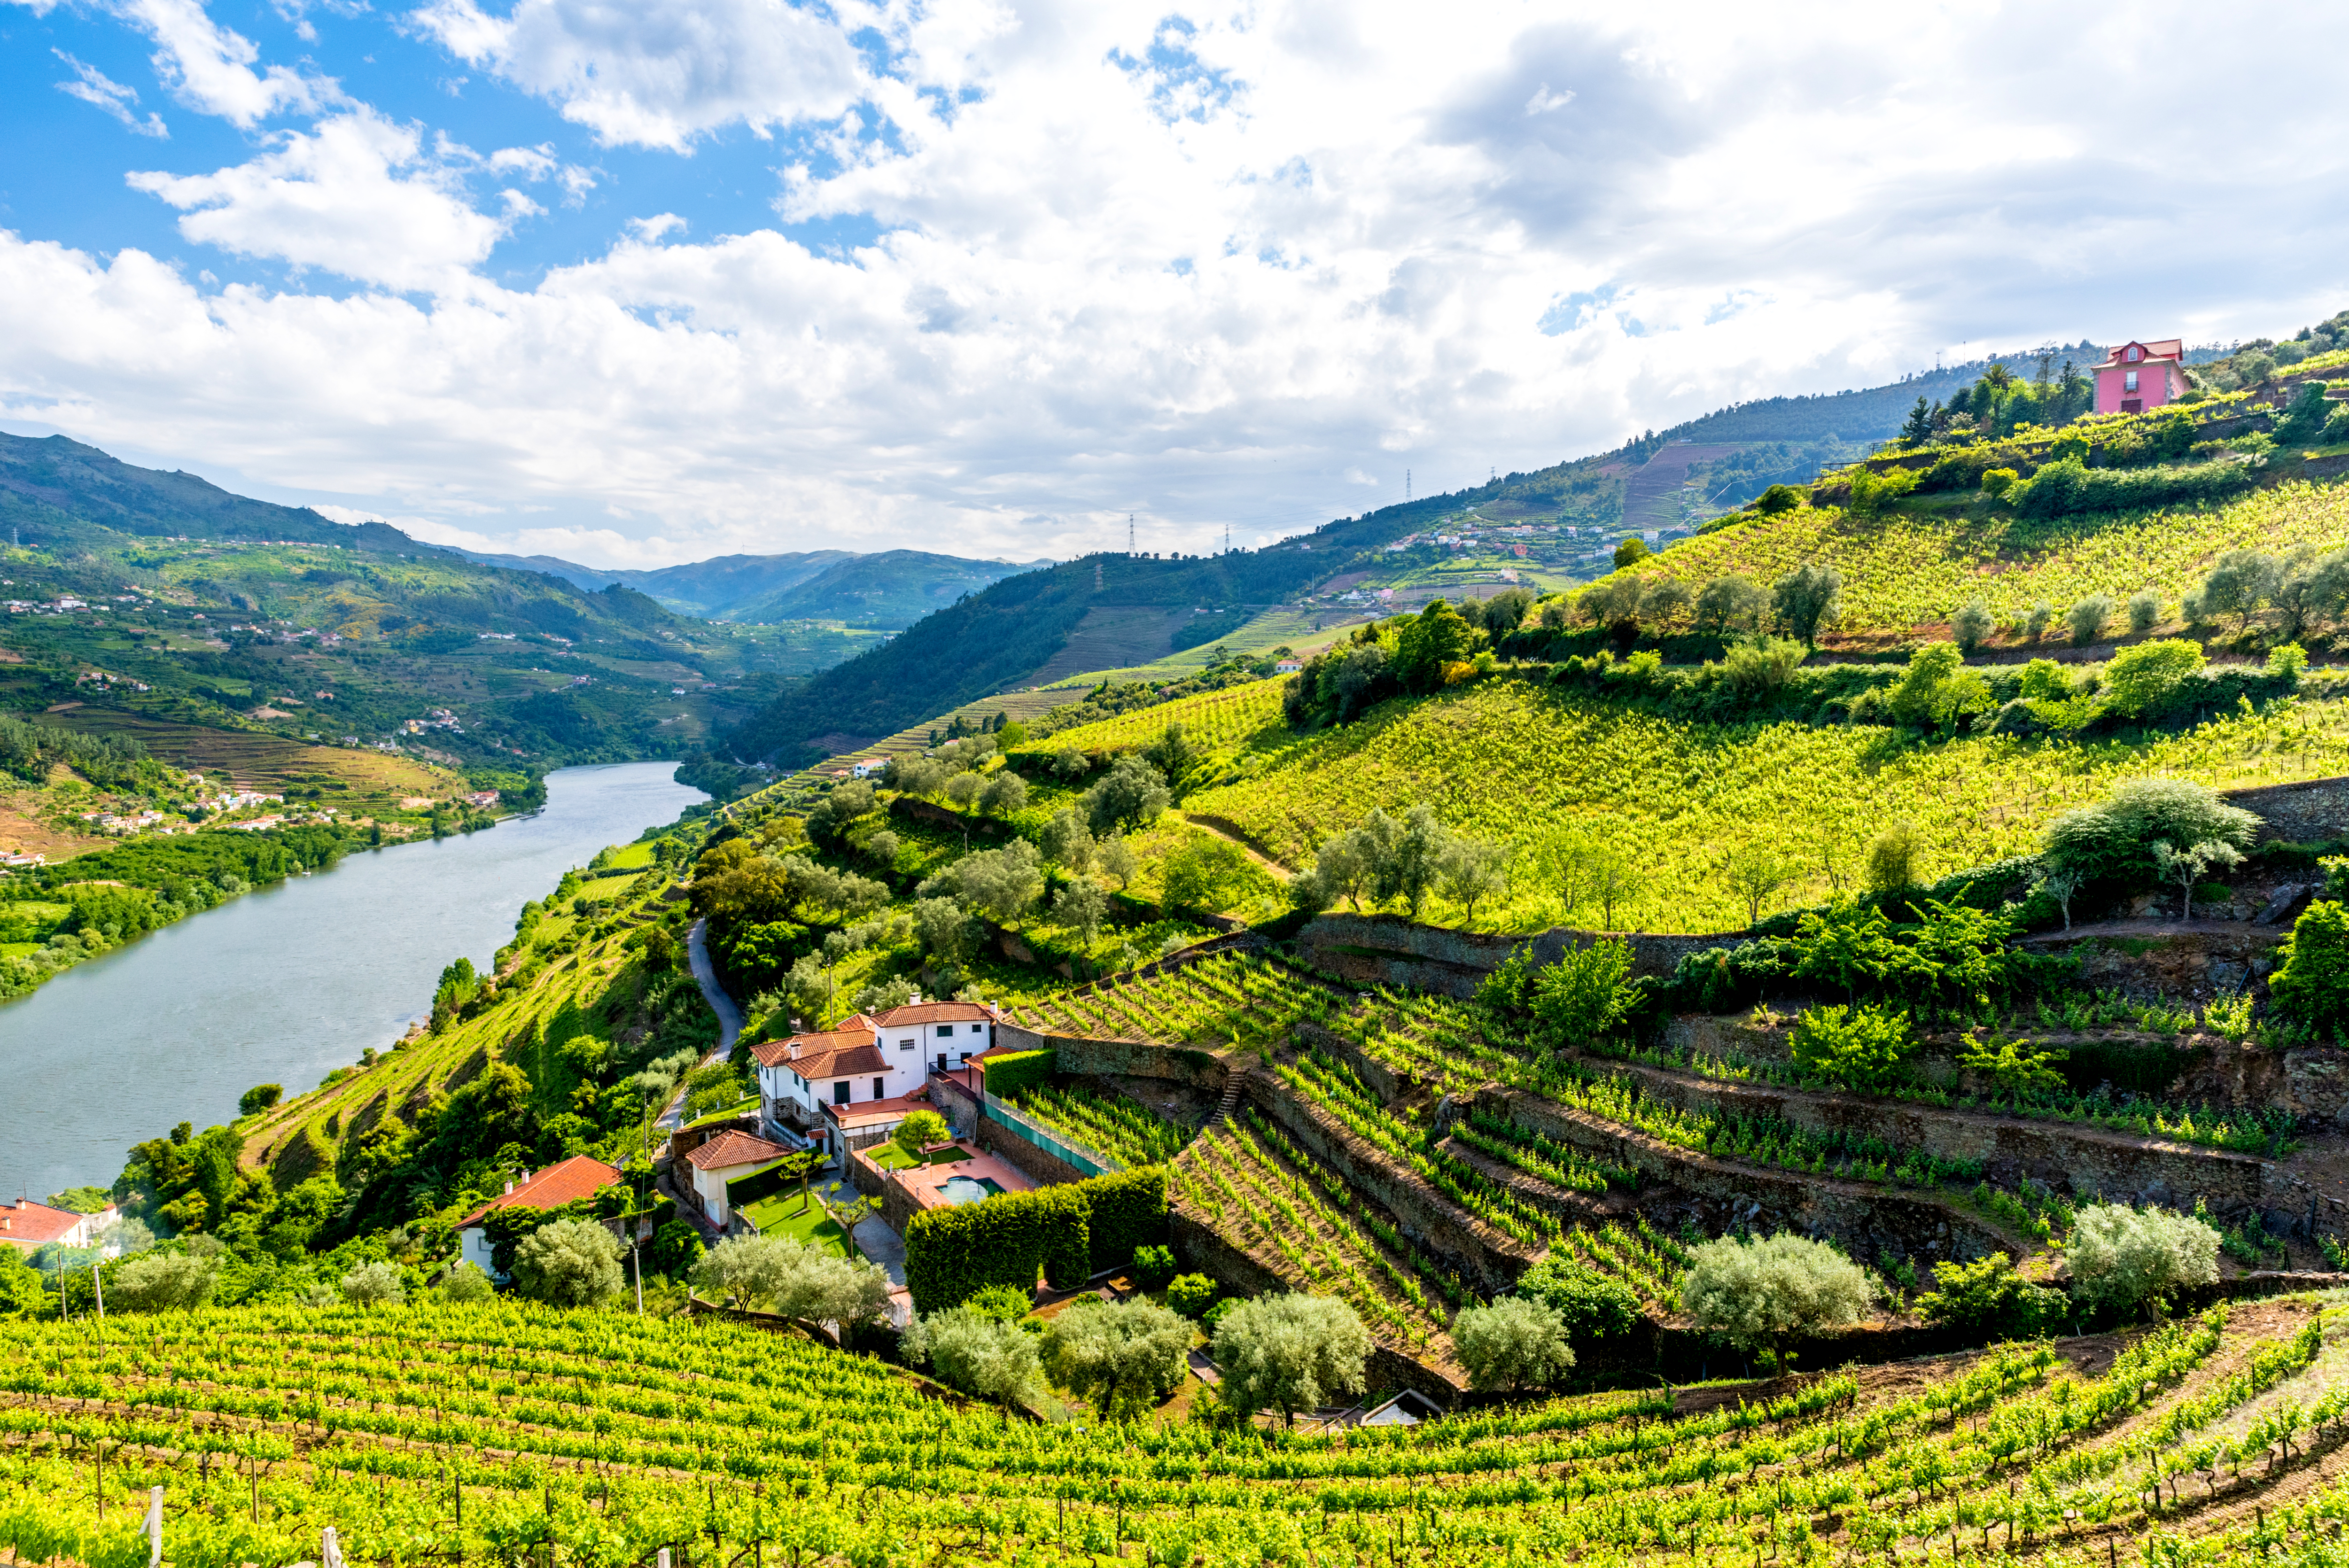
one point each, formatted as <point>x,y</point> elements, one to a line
<point>1230,1101</point>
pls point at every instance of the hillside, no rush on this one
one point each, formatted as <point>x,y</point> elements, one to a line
<point>891,589</point>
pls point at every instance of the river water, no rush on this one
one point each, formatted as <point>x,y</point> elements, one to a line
<point>284,985</point>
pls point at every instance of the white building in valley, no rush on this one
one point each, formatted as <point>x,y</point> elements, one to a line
<point>804,1080</point>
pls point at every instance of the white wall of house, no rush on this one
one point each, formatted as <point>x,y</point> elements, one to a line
<point>474,1249</point>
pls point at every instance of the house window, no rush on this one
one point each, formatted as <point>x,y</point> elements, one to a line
<point>878,1093</point>
<point>2128,382</point>
<point>2135,354</point>
<point>978,1028</point>
<point>839,1092</point>
<point>945,1030</point>
<point>904,1045</point>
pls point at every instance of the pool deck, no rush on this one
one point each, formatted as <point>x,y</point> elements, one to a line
<point>922,1181</point>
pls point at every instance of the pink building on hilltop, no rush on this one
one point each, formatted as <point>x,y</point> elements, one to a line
<point>2139,376</point>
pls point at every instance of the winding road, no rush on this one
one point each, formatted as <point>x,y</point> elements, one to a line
<point>729,1019</point>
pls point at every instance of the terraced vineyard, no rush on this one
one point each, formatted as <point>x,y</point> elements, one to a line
<point>1685,796</point>
<point>1108,1124</point>
<point>1217,720</point>
<point>1916,568</point>
<point>1240,998</point>
<point>1254,1187</point>
<point>498,1431</point>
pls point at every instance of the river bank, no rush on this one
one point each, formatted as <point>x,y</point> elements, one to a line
<point>285,984</point>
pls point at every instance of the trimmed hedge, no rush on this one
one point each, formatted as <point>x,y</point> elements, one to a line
<point>1010,1073</point>
<point>1065,1233</point>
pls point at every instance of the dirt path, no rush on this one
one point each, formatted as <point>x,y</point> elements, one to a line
<point>1230,832</point>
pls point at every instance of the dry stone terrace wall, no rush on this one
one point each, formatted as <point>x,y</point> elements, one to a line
<point>2308,812</point>
<point>1881,1224</point>
<point>1185,1065</point>
<point>2083,1160</point>
<point>1378,950</point>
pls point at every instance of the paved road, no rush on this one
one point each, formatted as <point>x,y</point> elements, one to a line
<point>729,1020</point>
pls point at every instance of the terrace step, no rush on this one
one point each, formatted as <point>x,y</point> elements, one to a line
<point>1225,1106</point>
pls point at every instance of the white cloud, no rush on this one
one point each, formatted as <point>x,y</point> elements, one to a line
<point>358,196</point>
<point>1244,268</point>
<point>210,67</point>
<point>93,86</point>
<point>660,73</point>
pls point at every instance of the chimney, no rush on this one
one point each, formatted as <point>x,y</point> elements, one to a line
<point>509,1189</point>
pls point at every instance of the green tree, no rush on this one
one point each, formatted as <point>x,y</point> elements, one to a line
<point>1130,795</point>
<point>2311,982</point>
<point>1592,1305</point>
<point>374,1284</point>
<point>977,1353</point>
<point>1289,1352</point>
<point>2144,611</point>
<point>1124,1359</point>
<point>1067,841</point>
<point>1971,625</point>
<point>1805,599</point>
<point>1755,873</point>
<point>1470,870</point>
<point>2127,1258</point>
<point>1918,428</point>
<point>1436,638</point>
<point>568,1262</point>
<point>162,1282</point>
<point>1117,859</point>
<point>1176,759</point>
<point>1512,1344</point>
<point>1758,1294</point>
<point>1204,874</point>
<point>1005,794</point>
<point>1892,860</point>
<point>259,1098</point>
<point>467,1285</point>
<point>2114,838</point>
<point>1082,907</point>
<point>1609,875</point>
<point>919,1131</point>
<point>1731,600</point>
<point>2191,864</point>
<point>1777,498</point>
<point>1632,551</point>
<point>1191,1294</point>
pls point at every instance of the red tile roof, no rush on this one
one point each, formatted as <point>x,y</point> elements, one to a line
<point>936,1013</point>
<point>26,1223</point>
<point>867,1112</point>
<point>781,1053</point>
<point>2166,348</point>
<point>581,1176</point>
<point>733,1147</point>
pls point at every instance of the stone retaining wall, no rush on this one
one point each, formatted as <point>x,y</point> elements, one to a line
<point>1186,1064</point>
<point>2068,1159</point>
<point>1878,1224</point>
<point>2308,812</point>
<point>1045,1169</point>
<point>1377,949</point>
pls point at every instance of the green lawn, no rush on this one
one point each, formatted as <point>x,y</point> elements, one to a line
<point>726,1113</point>
<point>889,1156</point>
<point>780,1215</point>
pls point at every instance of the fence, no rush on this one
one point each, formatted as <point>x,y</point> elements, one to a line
<point>1053,1143</point>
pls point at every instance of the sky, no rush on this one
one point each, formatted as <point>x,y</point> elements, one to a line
<point>637,282</point>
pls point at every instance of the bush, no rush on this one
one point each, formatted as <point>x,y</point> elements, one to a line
<point>1584,996</point>
<point>1214,1316</point>
<point>1289,1352</point>
<point>162,1282</point>
<point>2088,618</point>
<point>375,1282</point>
<point>1154,1266</point>
<point>2126,1258</point>
<point>1124,1359</point>
<point>1858,1047</point>
<point>2144,610</point>
<point>1996,482</point>
<point>1190,1294</point>
<point>466,1284</point>
<point>1892,860</point>
<point>980,1355</point>
<point>2310,984</point>
<point>259,1098</point>
<point>568,1262</point>
<point>2142,679</point>
<point>1002,1303</point>
<point>1590,1305</point>
<point>1777,498</point>
<point>1971,626</point>
<point>1987,1299</point>
<point>1759,1293</point>
<point>1512,1344</point>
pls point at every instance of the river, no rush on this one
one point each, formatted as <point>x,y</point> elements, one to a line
<point>284,985</point>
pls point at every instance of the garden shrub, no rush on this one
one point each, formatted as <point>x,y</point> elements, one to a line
<point>2310,984</point>
<point>1191,1293</point>
<point>2143,678</point>
<point>1011,1074</point>
<point>1154,1266</point>
<point>1590,1305</point>
<point>1760,1292</point>
<point>1065,1233</point>
<point>1512,1344</point>
<point>2126,1258</point>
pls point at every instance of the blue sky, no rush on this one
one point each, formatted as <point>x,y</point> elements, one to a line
<point>647,282</point>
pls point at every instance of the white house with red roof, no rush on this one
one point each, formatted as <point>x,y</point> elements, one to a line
<point>814,1079</point>
<point>581,1176</point>
<point>27,1225</point>
<point>2137,378</point>
<point>726,1158</point>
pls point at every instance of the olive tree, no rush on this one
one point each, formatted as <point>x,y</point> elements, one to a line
<point>793,1279</point>
<point>568,1262</point>
<point>1124,1359</point>
<point>162,1282</point>
<point>1805,599</point>
<point>1130,796</point>
<point>976,1352</point>
<point>374,1283</point>
<point>1291,1353</point>
<point>2126,1258</point>
<point>1512,1344</point>
<point>1759,1293</point>
<point>466,1284</point>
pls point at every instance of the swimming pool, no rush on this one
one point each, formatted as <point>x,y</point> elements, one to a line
<point>960,1190</point>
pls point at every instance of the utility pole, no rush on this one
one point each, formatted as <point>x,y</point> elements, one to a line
<point>1129,534</point>
<point>1406,487</point>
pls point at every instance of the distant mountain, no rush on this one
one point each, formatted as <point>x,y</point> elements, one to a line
<point>891,589</point>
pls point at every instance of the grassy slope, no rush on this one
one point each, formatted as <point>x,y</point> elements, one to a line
<point>1512,761</point>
